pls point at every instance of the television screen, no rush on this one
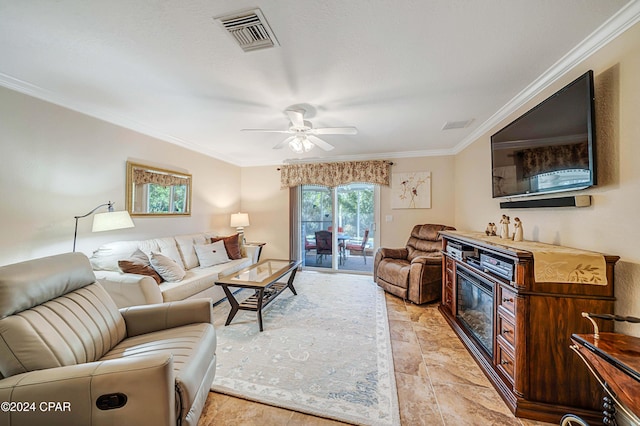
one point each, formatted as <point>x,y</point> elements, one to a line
<point>551,148</point>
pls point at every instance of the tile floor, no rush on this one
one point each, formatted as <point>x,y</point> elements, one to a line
<point>438,382</point>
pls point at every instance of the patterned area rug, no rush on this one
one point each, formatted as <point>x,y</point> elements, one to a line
<point>326,351</point>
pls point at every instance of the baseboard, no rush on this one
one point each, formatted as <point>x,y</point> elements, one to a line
<point>575,201</point>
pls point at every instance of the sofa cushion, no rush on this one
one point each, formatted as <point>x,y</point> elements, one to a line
<point>191,347</point>
<point>211,254</point>
<point>199,279</point>
<point>168,269</point>
<point>169,248</point>
<point>186,245</point>
<point>105,257</point>
<point>139,263</point>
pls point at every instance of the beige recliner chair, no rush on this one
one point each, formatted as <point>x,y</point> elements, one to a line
<point>413,272</point>
<point>63,340</point>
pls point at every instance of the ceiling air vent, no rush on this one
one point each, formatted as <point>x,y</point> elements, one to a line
<point>249,29</point>
<point>449,125</point>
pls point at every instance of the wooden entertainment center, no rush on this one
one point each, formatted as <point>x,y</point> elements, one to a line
<point>518,329</point>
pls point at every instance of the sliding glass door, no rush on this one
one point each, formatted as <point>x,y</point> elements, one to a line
<point>338,227</point>
<point>316,218</point>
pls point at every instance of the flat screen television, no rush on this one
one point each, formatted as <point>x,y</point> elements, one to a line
<point>551,148</point>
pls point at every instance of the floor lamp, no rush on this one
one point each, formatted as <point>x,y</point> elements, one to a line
<point>105,221</point>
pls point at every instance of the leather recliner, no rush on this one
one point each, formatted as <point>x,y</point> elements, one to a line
<point>68,352</point>
<point>413,272</point>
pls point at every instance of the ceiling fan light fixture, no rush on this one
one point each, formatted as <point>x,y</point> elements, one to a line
<point>300,144</point>
<point>296,146</point>
<point>307,145</point>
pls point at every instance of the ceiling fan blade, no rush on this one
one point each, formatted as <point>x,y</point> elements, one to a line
<point>320,143</point>
<point>335,131</point>
<point>265,130</point>
<point>284,142</point>
<point>296,117</point>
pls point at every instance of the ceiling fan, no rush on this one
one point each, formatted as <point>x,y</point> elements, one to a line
<point>304,135</point>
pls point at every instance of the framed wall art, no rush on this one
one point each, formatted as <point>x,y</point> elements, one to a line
<point>411,190</point>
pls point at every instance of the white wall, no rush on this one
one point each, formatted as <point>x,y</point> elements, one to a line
<point>268,208</point>
<point>396,232</point>
<point>56,163</point>
<point>610,224</point>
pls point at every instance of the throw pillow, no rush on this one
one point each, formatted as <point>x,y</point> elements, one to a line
<point>211,254</point>
<point>138,263</point>
<point>231,243</point>
<point>167,267</point>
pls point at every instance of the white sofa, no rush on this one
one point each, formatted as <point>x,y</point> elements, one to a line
<point>128,289</point>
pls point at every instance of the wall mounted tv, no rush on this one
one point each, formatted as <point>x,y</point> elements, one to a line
<point>551,148</point>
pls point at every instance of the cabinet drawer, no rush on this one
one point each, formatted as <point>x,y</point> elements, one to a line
<point>507,329</point>
<point>506,362</point>
<point>508,300</point>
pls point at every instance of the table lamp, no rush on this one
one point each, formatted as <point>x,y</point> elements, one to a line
<point>239,221</point>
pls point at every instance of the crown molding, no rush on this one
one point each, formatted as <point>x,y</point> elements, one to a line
<point>359,157</point>
<point>624,19</point>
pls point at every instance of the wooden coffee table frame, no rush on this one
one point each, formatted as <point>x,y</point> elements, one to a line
<point>266,290</point>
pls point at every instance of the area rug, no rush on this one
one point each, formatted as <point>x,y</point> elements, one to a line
<point>326,351</point>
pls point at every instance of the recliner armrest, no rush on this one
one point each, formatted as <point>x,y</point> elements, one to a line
<point>68,395</point>
<point>428,260</point>
<point>149,318</point>
<point>393,253</point>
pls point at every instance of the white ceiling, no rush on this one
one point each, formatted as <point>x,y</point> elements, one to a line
<point>397,70</point>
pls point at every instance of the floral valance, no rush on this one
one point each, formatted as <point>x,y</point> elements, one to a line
<point>335,174</point>
<point>141,176</point>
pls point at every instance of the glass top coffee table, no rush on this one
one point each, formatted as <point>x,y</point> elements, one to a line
<point>263,278</point>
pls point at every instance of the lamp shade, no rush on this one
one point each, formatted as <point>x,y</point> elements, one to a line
<point>239,220</point>
<point>111,220</point>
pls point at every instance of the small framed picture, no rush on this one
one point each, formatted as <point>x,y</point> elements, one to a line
<point>411,190</point>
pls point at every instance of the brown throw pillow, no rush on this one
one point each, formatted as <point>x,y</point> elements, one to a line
<point>139,264</point>
<point>231,244</point>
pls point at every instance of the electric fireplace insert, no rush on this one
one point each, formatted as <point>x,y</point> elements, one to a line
<point>475,307</point>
